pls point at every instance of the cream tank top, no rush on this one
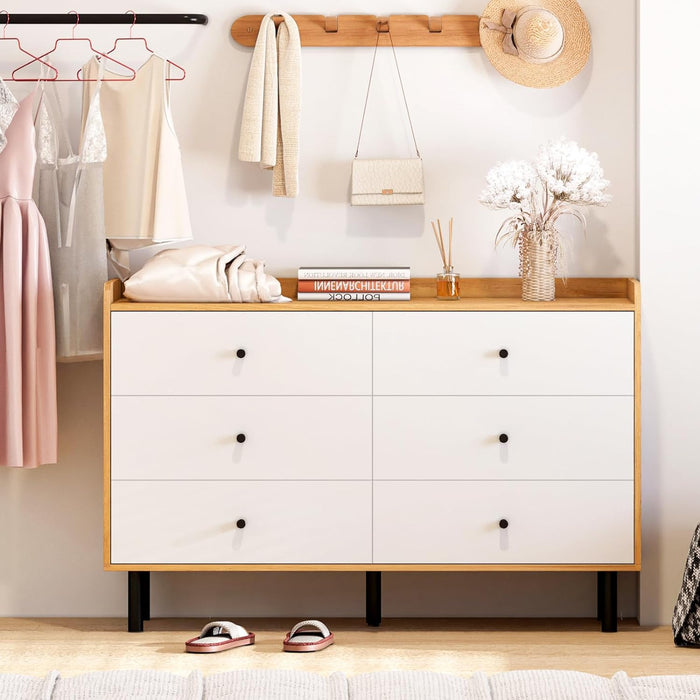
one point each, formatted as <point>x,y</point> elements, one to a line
<point>144,188</point>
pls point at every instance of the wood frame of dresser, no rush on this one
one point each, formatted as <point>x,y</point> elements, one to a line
<point>494,294</point>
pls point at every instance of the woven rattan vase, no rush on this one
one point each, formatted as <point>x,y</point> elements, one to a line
<point>538,253</point>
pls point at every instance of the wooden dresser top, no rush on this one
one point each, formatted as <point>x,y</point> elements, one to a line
<point>477,294</point>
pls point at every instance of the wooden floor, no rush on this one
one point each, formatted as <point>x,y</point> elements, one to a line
<point>72,646</point>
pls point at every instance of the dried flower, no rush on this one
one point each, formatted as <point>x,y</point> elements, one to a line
<point>564,178</point>
<point>572,174</point>
<point>509,185</point>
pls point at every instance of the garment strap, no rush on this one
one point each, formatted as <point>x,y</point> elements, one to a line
<point>93,107</point>
<point>53,101</point>
<point>166,82</point>
<point>403,92</point>
<point>94,104</point>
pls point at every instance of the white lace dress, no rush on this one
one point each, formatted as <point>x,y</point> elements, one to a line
<point>69,193</point>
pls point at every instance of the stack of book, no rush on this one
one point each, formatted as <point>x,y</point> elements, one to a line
<point>354,284</point>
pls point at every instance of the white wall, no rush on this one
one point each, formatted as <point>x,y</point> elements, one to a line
<point>670,250</point>
<point>467,117</point>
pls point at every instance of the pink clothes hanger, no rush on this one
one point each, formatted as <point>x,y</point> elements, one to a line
<point>146,46</point>
<point>131,72</point>
<point>25,52</point>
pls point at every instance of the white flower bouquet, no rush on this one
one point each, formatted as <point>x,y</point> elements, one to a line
<point>564,178</point>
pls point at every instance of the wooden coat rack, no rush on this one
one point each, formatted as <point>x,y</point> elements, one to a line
<point>361,30</point>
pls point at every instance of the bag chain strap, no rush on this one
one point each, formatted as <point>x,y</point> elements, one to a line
<point>403,92</point>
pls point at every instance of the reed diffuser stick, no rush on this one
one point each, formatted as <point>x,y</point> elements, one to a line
<point>450,260</point>
<point>441,247</point>
<point>446,256</point>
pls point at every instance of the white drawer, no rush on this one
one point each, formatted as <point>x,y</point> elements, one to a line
<point>195,352</point>
<point>552,352</point>
<point>585,522</point>
<point>184,522</point>
<point>198,437</point>
<point>548,437</point>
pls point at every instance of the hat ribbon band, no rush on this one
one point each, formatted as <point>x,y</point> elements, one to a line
<point>506,27</point>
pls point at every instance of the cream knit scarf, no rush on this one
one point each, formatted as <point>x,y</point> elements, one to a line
<point>270,125</point>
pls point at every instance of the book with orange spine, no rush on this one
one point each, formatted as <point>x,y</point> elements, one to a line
<point>386,286</point>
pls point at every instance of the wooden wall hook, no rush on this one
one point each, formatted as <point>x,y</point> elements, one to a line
<point>332,24</point>
<point>435,25</point>
<point>382,25</point>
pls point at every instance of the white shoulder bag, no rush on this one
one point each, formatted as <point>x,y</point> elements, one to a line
<point>387,181</point>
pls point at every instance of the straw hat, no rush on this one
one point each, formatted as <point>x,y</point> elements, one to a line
<point>541,46</point>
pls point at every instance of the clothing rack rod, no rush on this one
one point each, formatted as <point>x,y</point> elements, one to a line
<point>65,18</point>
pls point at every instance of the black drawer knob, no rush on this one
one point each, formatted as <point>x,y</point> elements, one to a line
<point>503,524</point>
<point>240,353</point>
<point>503,353</point>
<point>503,438</point>
<point>240,437</point>
<point>240,523</point>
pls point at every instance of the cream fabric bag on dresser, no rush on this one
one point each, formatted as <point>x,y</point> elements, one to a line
<point>387,181</point>
<point>203,273</point>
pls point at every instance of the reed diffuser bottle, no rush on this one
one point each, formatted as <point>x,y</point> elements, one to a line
<point>448,279</point>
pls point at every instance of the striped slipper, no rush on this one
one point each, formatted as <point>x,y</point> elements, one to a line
<point>308,635</point>
<point>219,636</point>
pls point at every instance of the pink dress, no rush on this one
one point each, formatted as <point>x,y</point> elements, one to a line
<point>28,421</point>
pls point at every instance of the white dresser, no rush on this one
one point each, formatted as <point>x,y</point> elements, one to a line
<point>484,434</point>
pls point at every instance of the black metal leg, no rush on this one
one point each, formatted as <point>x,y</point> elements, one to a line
<point>374,598</point>
<point>145,595</point>
<point>135,602</point>
<point>607,600</point>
